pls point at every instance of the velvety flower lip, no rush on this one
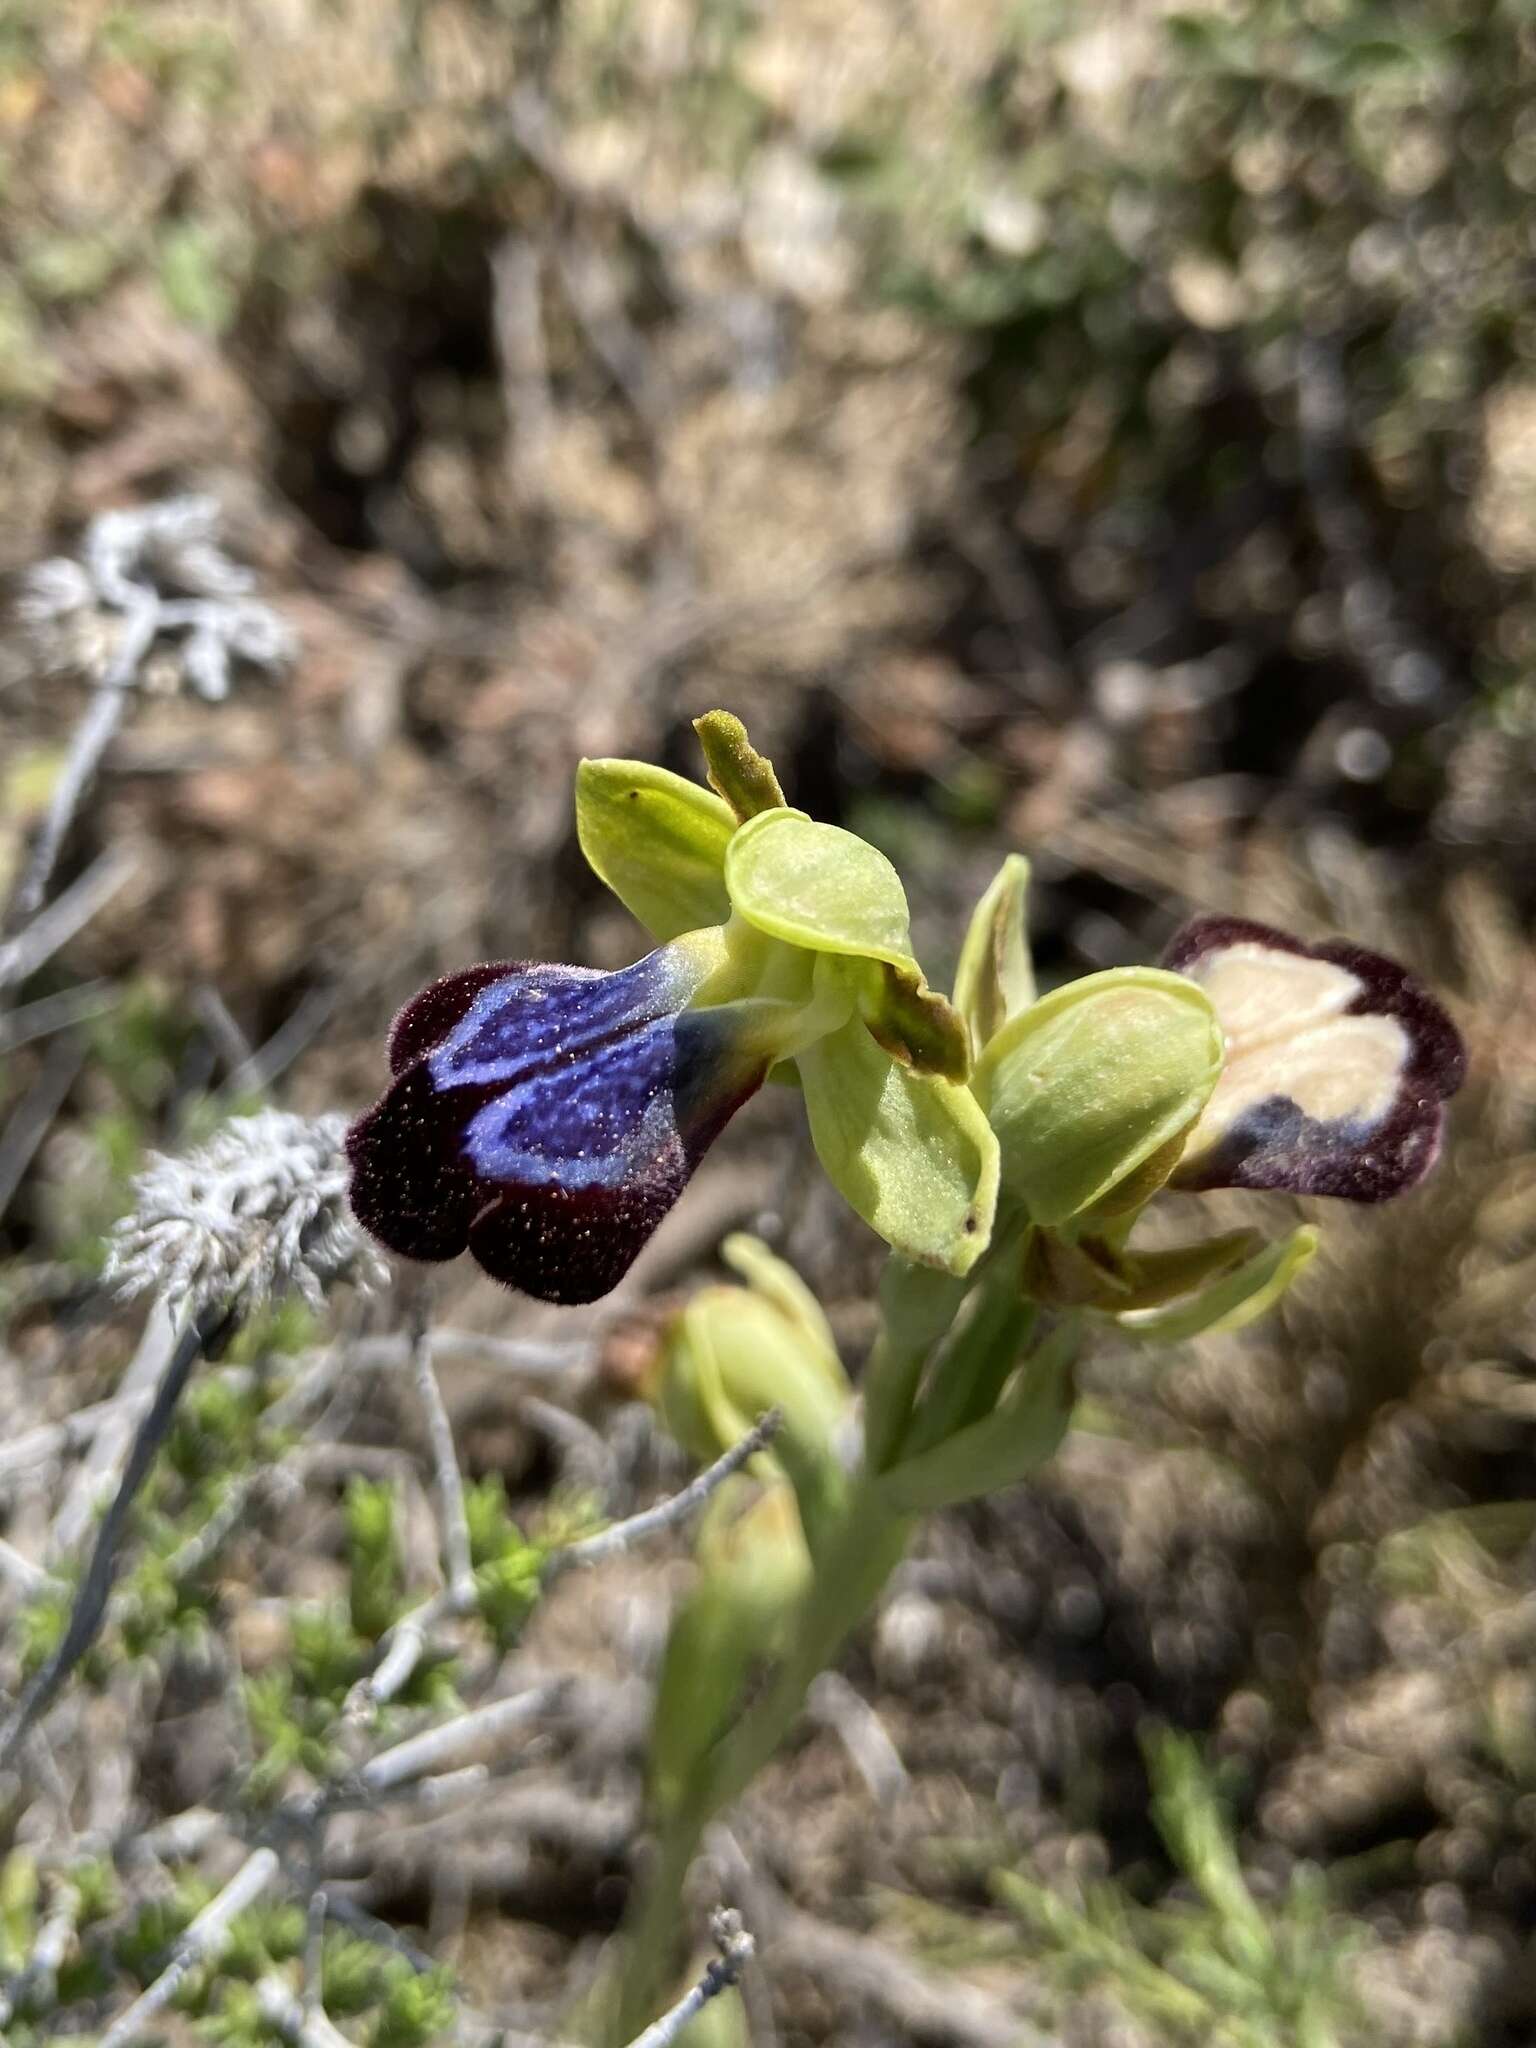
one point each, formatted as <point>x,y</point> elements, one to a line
<point>1338,1065</point>
<point>546,1118</point>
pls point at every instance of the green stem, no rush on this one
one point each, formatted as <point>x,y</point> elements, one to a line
<point>917,1305</point>
<point>857,1562</point>
<point>976,1362</point>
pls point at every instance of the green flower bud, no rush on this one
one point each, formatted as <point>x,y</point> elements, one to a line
<point>753,1572</point>
<point>735,1352</point>
<point>1088,1084</point>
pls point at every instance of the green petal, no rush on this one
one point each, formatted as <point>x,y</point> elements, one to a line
<point>741,775</point>
<point>995,979</point>
<point>913,1022</point>
<point>1091,1272</point>
<point>1095,1079</point>
<point>1237,1298</point>
<point>819,887</point>
<point>658,841</point>
<point>914,1157</point>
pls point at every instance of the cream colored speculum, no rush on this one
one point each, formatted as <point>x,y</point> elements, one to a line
<point>1345,1070</point>
<point>1260,993</point>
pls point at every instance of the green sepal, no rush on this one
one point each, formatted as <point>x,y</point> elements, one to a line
<point>1091,1272</point>
<point>818,887</point>
<point>824,890</point>
<point>741,775</point>
<point>1238,1297</point>
<point>995,979</point>
<point>658,841</point>
<point>1093,1081</point>
<point>916,1158</point>
<point>1015,1439</point>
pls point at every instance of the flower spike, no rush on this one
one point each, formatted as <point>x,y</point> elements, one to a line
<point>1338,1065</point>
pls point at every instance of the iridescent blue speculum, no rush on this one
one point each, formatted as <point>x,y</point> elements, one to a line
<point>546,1118</point>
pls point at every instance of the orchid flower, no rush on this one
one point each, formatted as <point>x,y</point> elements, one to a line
<point>546,1118</point>
<point>1249,1059</point>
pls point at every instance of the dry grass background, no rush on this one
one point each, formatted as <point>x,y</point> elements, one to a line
<point>564,372</point>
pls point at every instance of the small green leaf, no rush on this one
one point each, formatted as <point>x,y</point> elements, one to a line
<point>995,979</point>
<point>1022,1431</point>
<point>914,1157</point>
<point>737,771</point>
<point>1089,1083</point>
<point>1238,1297</point>
<point>819,887</point>
<point>658,841</point>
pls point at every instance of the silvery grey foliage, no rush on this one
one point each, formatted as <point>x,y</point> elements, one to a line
<point>257,1211</point>
<point>148,577</point>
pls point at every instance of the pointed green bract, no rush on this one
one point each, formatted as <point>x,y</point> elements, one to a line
<point>819,887</point>
<point>915,1158</point>
<point>741,775</point>
<point>1238,1297</point>
<point>1015,1439</point>
<point>995,979</point>
<point>658,841</point>
<point>1090,1082</point>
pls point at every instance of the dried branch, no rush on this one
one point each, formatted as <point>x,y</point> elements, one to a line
<point>833,1702</point>
<point>736,1951</point>
<point>34,1982</point>
<point>203,1940</point>
<point>667,1514</point>
<point>135,566</point>
<point>34,1114</point>
<point>306,2026</point>
<point>203,1335</point>
<point>402,1647</point>
<point>444,1748</point>
<point>458,1563</point>
<point>53,928</point>
<point>48,1014</point>
<point>93,735</point>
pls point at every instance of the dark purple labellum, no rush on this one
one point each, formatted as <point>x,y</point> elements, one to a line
<point>545,1119</point>
<point>1338,1065</point>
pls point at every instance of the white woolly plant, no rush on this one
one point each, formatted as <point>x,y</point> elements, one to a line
<point>258,1212</point>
